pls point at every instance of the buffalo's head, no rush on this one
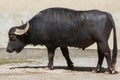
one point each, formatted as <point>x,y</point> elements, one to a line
<point>18,38</point>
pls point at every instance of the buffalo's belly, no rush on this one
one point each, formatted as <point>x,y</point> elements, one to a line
<point>75,43</point>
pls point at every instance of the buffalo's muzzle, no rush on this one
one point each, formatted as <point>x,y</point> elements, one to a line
<point>10,50</point>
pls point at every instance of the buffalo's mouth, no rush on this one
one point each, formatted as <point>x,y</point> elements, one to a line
<point>10,50</point>
<point>13,50</point>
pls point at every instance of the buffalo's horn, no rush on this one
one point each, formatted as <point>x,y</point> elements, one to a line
<point>22,31</point>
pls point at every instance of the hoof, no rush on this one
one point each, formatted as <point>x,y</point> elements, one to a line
<point>49,68</point>
<point>111,72</point>
<point>95,71</point>
<point>71,66</point>
<point>98,70</point>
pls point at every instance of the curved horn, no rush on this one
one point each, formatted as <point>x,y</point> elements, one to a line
<point>22,31</point>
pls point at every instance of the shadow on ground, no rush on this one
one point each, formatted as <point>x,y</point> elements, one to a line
<point>87,69</point>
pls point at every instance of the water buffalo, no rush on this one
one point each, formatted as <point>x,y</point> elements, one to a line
<point>61,27</point>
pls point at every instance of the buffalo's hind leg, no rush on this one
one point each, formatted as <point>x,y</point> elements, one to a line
<point>100,61</point>
<point>65,53</point>
<point>104,50</point>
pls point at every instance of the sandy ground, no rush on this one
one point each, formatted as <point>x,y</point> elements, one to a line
<point>84,62</point>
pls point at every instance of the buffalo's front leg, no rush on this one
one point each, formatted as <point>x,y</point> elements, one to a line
<point>51,51</point>
<point>67,57</point>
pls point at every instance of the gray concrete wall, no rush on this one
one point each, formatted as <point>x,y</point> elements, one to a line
<point>13,11</point>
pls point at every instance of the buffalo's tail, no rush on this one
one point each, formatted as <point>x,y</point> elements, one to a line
<point>114,53</point>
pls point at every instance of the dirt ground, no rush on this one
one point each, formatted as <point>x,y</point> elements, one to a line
<point>33,69</point>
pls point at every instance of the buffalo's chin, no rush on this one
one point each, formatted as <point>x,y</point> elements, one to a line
<point>18,51</point>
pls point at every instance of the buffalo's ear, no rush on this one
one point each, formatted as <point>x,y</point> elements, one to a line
<point>22,31</point>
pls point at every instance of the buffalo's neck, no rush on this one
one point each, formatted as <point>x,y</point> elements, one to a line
<point>34,36</point>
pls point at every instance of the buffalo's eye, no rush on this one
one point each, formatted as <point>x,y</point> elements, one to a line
<point>12,37</point>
